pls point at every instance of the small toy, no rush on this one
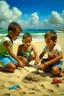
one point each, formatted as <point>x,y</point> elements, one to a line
<point>56,80</point>
<point>37,70</point>
<point>13,87</point>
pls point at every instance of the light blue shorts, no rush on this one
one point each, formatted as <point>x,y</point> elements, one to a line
<point>6,60</point>
<point>58,64</point>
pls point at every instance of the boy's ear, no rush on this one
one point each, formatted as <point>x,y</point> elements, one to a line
<point>55,41</point>
<point>10,31</point>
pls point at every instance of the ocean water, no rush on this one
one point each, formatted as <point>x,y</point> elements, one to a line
<point>37,34</point>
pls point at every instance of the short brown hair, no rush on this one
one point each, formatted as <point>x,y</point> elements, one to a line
<point>27,35</point>
<point>13,26</point>
<point>52,34</point>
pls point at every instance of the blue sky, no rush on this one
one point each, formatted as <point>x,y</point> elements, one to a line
<point>42,7</point>
<point>33,13</point>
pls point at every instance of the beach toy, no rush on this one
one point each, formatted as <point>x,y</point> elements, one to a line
<point>23,68</point>
<point>37,70</point>
<point>56,80</point>
<point>13,87</point>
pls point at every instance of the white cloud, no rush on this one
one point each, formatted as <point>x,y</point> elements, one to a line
<point>7,15</point>
<point>31,22</point>
<point>4,11</point>
<point>55,18</point>
<point>62,14</point>
<point>16,13</point>
<point>34,19</point>
<point>54,21</point>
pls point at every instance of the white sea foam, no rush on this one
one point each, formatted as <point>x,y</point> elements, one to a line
<point>34,40</point>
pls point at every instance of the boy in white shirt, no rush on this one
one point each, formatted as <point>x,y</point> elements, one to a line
<point>54,61</point>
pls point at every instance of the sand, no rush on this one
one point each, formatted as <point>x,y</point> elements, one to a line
<point>30,82</point>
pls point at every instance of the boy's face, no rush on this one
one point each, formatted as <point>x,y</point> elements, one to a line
<point>27,42</point>
<point>14,34</point>
<point>49,42</point>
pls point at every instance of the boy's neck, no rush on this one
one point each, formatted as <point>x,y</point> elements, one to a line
<point>50,49</point>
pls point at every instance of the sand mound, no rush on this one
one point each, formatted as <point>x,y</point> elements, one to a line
<point>32,77</point>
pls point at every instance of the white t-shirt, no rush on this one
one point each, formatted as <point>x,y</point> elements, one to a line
<point>54,53</point>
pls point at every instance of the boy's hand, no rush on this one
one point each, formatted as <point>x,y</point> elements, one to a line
<point>42,66</point>
<point>38,64</point>
<point>36,60</point>
<point>21,64</point>
<point>45,64</point>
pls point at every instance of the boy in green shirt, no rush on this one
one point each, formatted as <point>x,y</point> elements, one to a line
<point>8,59</point>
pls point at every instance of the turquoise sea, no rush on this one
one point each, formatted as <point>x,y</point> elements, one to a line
<point>37,34</point>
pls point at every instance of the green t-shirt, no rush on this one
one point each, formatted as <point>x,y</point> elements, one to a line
<point>3,49</point>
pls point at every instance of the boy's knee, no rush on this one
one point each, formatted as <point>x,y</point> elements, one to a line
<point>13,67</point>
<point>21,65</point>
<point>25,62</point>
<point>55,70</point>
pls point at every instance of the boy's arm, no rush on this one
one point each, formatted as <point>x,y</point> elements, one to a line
<point>19,50</point>
<point>41,55</point>
<point>7,45</point>
<point>43,52</point>
<point>35,53</point>
<point>56,59</point>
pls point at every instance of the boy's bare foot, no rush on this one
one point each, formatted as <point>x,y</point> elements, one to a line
<point>63,70</point>
<point>62,74</point>
<point>3,69</point>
